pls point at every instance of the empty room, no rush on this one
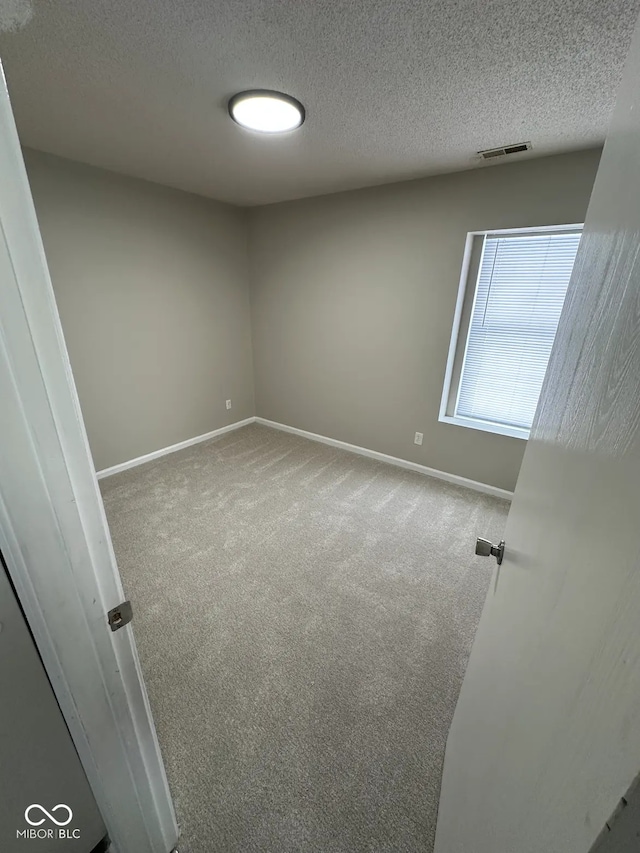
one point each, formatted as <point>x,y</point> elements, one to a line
<point>320,321</point>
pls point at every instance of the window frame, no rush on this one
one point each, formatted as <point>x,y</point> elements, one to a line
<point>465,304</point>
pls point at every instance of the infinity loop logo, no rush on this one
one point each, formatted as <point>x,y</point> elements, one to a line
<point>49,815</point>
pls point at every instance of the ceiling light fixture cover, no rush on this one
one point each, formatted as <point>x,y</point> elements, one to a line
<point>266,111</point>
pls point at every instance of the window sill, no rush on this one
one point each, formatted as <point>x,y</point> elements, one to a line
<point>485,426</point>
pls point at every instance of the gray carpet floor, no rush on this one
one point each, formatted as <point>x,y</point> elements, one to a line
<point>304,617</point>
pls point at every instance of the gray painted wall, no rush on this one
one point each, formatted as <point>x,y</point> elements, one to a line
<point>152,289</point>
<point>353,298</point>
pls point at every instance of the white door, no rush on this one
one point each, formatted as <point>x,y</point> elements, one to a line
<point>546,736</point>
<point>55,540</point>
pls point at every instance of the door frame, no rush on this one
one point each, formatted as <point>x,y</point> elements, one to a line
<point>55,538</point>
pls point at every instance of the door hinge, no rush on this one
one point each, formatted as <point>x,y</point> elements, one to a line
<point>484,548</point>
<point>120,615</point>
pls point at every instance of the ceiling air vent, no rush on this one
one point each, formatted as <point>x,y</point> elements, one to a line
<point>490,153</point>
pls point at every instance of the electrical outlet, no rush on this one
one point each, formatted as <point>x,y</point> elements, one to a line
<point>228,404</point>
<point>418,438</point>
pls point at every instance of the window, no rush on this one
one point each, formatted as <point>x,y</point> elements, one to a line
<point>511,295</point>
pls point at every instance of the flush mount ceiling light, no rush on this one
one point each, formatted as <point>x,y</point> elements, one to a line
<point>266,111</point>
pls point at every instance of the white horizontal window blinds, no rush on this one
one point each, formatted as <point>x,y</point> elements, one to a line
<point>521,287</point>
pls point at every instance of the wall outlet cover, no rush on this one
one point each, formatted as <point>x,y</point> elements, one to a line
<point>228,404</point>
<point>418,438</point>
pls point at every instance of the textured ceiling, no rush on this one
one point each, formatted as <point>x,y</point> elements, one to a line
<point>393,90</point>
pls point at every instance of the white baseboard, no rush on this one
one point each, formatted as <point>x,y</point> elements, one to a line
<point>393,460</point>
<point>148,457</point>
<point>323,439</point>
